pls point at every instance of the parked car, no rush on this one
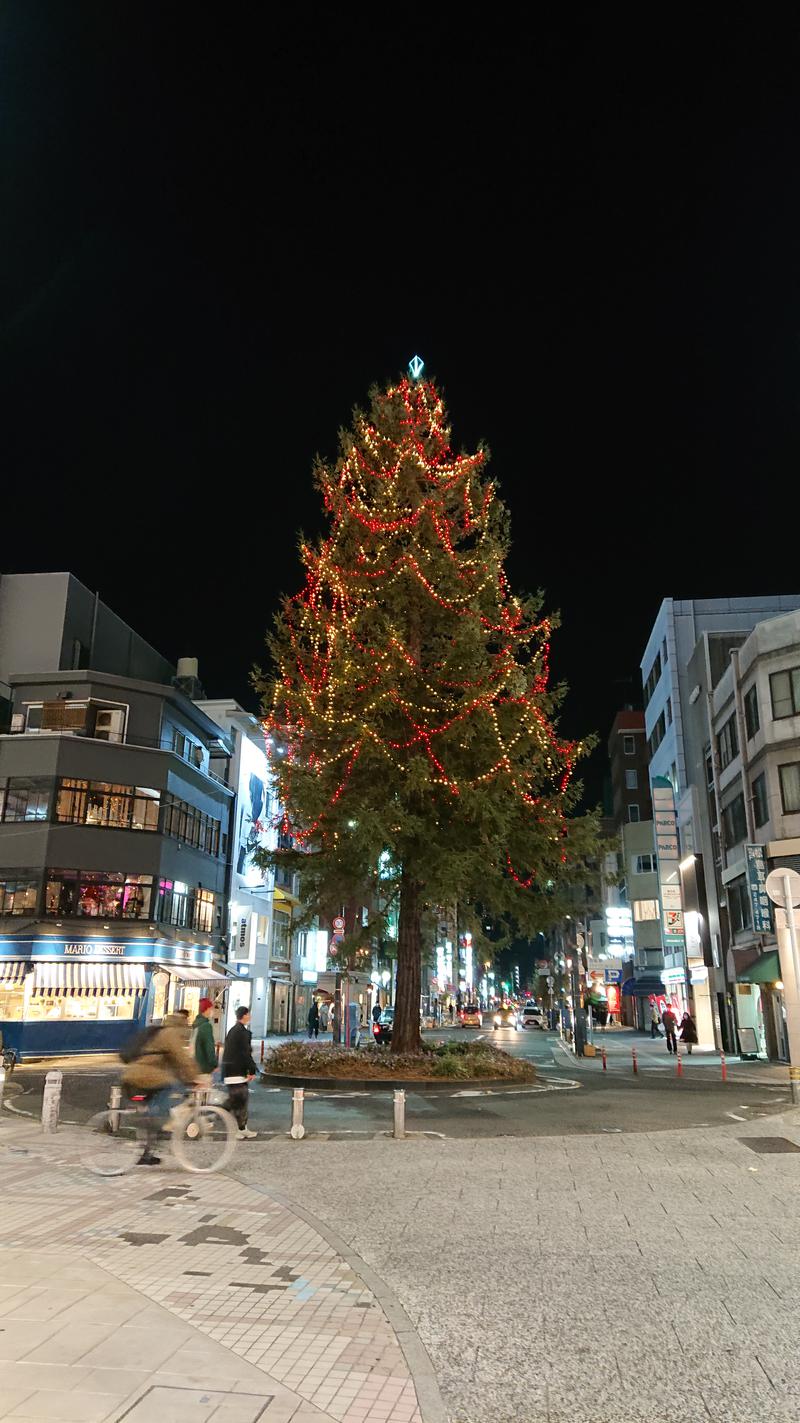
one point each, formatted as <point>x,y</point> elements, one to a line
<point>506,1018</point>
<point>471,1016</point>
<point>382,1027</point>
<point>533,1016</point>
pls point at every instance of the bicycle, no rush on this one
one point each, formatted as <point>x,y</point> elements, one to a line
<point>201,1137</point>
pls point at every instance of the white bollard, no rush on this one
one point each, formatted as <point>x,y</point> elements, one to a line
<point>298,1131</point>
<point>114,1104</point>
<point>2,1085</point>
<point>51,1100</point>
<point>399,1131</point>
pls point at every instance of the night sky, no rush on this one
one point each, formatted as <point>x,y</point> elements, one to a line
<point>216,234</point>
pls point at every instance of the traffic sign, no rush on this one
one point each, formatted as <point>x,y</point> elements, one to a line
<point>338,924</point>
<point>775,886</point>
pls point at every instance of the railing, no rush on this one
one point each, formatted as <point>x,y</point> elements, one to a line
<point>128,739</point>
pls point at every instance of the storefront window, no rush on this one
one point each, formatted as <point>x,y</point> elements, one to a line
<point>97,896</point>
<point>19,895</point>
<point>64,1006</point>
<point>12,1002</point>
<point>27,800</point>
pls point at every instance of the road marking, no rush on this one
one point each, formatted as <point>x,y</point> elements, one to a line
<point>736,1116</point>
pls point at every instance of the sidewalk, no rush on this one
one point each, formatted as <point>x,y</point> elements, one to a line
<point>168,1297</point>
<point>652,1055</point>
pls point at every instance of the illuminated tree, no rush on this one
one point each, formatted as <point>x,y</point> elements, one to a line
<point>410,699</point>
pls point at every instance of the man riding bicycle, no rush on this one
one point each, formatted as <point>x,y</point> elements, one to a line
<point>157,1072</point>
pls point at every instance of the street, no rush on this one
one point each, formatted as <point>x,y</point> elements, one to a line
<point>569,1096</point>
<point>606,1277</point>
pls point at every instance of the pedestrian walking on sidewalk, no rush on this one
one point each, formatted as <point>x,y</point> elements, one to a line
<point>670,1024</point>
<point>324,1014</point>
<point>655,1023</point>
<point>313,1019</point>
<point>238,1071</point>
<point>205,1049</point>
<point>688,1031</point>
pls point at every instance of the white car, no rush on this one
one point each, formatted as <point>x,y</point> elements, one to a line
<point>532,1016</point>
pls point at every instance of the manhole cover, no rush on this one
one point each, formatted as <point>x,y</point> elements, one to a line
<point>769,1145</point>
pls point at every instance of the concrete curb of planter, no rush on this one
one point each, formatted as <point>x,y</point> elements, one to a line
<point>383,1084</point>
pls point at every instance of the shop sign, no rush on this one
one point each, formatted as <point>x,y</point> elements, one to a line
<point>673,975</point>
<point>699,973</point>
<point>612,975</point>
<point>757,885</point>
<point>612,997</point>
<point>195,955</point>
<point>667,854</point>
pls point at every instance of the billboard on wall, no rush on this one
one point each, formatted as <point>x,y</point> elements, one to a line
<point>668,857</point>
<point>253,828</point>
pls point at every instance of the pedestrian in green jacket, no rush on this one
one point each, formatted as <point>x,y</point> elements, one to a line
<point>205,1049</point>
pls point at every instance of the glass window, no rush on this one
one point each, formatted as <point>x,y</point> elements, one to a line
<point>97,895</point>
<point>144,811</point>
<point>645,909</point>
<point>653,678</point>
<point>664,653</point>
<point>760,804</point>
<point>739,904</point>
<point>281,934</point>
<point>173,903</point>
<point>204,911</point>
<point>71,801</point>
<point>728,742</point>
<point>107,805</point>
<point>751,717</point>
<point>669,711</point>
<point>631,780</point>
<point>657,734</point>
<point>734,823</point>
<point>644,864</point>
<point>790,788</point>
<point>629,745</point>
<point>19,893</point>
<point>27,800</point>
<point>633,813</point>
<point>785,691</point>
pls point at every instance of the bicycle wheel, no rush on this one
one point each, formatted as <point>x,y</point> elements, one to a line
<point>112,1143</point>
<point>203,1138</point>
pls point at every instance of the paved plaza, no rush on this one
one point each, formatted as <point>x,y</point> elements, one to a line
<point>609,1277</point>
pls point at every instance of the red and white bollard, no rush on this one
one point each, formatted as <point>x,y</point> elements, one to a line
<point>635,1060</point>
<point>262,1049</point>
<point>723,1064</point>
<point>678,1062</point>
<point>603,1055</point>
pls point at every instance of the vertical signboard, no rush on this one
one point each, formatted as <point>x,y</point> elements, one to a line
<point>669,879</point>
<point>757,885</point>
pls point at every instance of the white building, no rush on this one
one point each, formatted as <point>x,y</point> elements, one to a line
<point>263,947</point>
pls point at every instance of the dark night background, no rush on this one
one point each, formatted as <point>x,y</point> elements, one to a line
<point>217,233</point>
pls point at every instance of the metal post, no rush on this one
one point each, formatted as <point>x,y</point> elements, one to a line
<point>399,1130</point>
<point>678,1059</point>
<point>723,1064</point>
<point>298,1131</point>
<point>603,1055</point>
<point>51,1100</point>
<point>2,1085</point>
<point>634,1060</point>
<point>114,1104</point>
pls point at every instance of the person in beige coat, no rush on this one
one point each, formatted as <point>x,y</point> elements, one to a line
<point>164,1064</point>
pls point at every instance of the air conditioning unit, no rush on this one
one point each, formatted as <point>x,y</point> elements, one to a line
<point>109,724</point>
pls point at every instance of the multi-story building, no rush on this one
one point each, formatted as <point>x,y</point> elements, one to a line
<point>687,652</point>
<point>754,809</point>
<point>114,829</point>
<point>628,758</point>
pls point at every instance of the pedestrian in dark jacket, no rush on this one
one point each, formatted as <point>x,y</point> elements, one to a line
<point>670,1024</point>
<point>688,1031</point>
<point>238,1070</point>
<point>205,1049</point>
<point>313,1019</point>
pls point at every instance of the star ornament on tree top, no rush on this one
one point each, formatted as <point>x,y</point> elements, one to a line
<point>415,367</point>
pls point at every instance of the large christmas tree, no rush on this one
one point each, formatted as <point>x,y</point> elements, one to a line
<point>410,701</point>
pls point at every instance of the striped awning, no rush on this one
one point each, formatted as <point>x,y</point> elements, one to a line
<point>89,978</point>
<point>195,977</point>
<point>12,972</point>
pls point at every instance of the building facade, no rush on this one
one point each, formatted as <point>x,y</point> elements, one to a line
<point>114,837</point>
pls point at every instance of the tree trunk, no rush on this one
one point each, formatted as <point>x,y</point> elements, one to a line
<point>405,1028</point>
